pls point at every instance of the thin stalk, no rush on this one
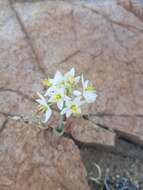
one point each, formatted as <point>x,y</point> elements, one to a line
<point>61,121</point>
<point>60,127</point>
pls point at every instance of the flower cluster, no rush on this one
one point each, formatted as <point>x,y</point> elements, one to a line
<point>68,92</point>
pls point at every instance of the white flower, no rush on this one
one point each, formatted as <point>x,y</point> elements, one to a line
<point>70,79</point>
<point>54,84</point>
<point>88,91</point>
<point>51,91</point>
<point>58,96</point>
<point>63,91</point>
<point>58,79</point>
<point>72,107</point>
<point>44,107</point>
<point>77,93</point>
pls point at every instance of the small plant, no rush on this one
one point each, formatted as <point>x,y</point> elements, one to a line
<point>68,93</point>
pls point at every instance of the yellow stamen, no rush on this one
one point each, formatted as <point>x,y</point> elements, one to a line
<point>42,108</point>
<point>71,80</point>
<point>90,88</point>
<point>47,83</point>
<point>57,97</point>
<point>74,108</point>
<point>60,84</point>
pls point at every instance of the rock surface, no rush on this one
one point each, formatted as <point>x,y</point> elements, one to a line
<point>31,159</point>
<point>3,121</point>
<point>125,126</point>
<point>134,6</point>
<point>89,133</point>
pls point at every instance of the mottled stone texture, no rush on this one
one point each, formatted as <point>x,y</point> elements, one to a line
<point>134,6</point>
<point>34,160</point>
<point>89,133</point>
<point>103,39</point>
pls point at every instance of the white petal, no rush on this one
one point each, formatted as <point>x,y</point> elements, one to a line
<point>72,72</point>
<point>77,79</point>
<point>50,91</point>
<point>79,110</point>
<point>82,79</point>
<point>46,94</point>
<point>58,77</point>
<point>67,98</point>
<point>76,93</point>
<point>60,105</point>
<point>86,84</point>
<point>63,111</point>
<point>77,100</point>
<point>47,115</point>
<point>61,91</point>
<point>68,113</point>
<point>51,99</point>
<point>90,97</point>
<point>68,102</point>
<point>40,95</point>
<point>40,101</point>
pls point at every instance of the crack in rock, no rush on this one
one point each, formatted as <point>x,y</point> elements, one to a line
<point>102,114</point>
<point>133,6</point>
<point>128,27</point>
<point>23,28</point>
<point>17,117</point>
<point>3,125</point>
<point>3,89</point>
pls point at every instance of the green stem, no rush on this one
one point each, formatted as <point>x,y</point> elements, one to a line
<point>60,127</point>
<point>61,121</point>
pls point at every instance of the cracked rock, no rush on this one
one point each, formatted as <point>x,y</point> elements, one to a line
<point>128,127</point>
<point>89,133</point>
<point>31,159</point>
<point>134,6</point>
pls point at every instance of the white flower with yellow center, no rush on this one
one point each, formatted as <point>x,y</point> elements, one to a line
<point>68,92</point>
<point>58,96</point>
<point>88,91</point>
<point>70,79</point>
<point>72,107</point>
<point>58,79</point>
<point>44,107</point>
<point>52,90</point>
<point>54,84</point>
